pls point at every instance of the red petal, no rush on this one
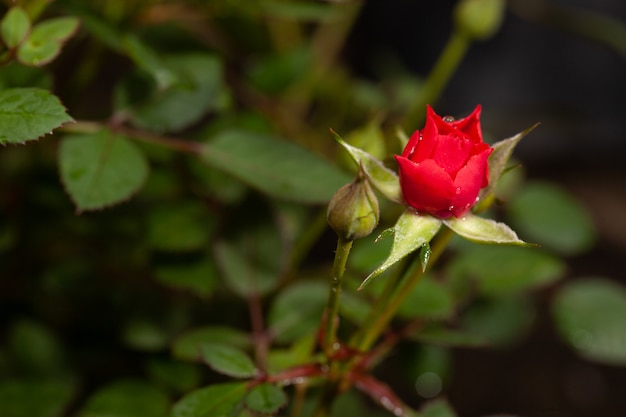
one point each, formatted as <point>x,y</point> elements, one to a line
<point>468,183</point>
<point>451,153</point>
<point>425,186</point>
<point>426,143</point>
<point>411,144</point>
<point>470,125</point>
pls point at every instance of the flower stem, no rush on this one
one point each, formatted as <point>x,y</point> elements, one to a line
<point>332,306</point>
<point>439,76</point>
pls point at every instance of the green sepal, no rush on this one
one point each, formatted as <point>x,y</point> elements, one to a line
<point>425,253</point>
<point>385,180</point>
<point>481,230</point>
<point>499,159</point>
<point>411,232</point>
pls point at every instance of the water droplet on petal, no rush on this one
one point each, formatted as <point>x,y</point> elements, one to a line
<point>458,190</point>
<point>448,119</point>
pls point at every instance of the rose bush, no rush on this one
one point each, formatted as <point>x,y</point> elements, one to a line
<point>444,166</point>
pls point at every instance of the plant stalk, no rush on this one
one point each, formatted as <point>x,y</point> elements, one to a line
<point>334,293</point>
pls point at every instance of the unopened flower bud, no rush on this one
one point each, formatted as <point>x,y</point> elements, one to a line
<point>353,210</point>
<point>479,19</point>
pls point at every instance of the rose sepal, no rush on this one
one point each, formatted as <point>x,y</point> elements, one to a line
<point>412,231</point>
<point>486,231</point>
<point>382,178</point>
<point>499,159</point>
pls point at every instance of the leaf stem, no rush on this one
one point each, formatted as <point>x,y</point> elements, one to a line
<point>439,76</point>
<point>334,293</point>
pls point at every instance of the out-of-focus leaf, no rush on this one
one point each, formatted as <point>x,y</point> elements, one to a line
<point>278,168</point>
<point>250,260</point>
<point>228,360</point>
<point>266,398</point>
<point>29,113</point>
<point>589,314</point>
<point>35,349</point>
<point>198,277</point>
<point>550,216</point>
<point>219,400</point>
<point>199,90</point>
<point>296,311</point>
<point>127,398</point>
<point>35,398</point>
<point>429,299</point>
<point>100,169</point>
<point>502,270</point>
<point>276,73</point>
<point>188,346</point>
<point>46,39</point>
<point>14,26</point>
<point>502,321</point>
<point>181,227</point>
<point>148,60</point>
<point>437,408</point>
<point>145,334</point>
<point>179,376</point>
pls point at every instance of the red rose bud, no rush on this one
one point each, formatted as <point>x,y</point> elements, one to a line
<point>444,165</point>
<point>479,19</point>
<point>353,210</point>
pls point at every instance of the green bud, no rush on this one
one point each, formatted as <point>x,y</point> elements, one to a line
<point>479,19</point>
<point>353,210</point>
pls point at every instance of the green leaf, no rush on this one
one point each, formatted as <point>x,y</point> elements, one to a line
<point>188,346</point>
<point>589,314</point>
<point>46,40</point>
<point>549,215</point>
<point>14,26</point>
<point>499,159</point>
<point>481,230</point>
<point>145,334</point>
<point>180,376</point>
<point>228,360</point>
<point>29,113</point>
<point>250,259</point>
<point>503,270</point>
<point>35,398</point>
<point>411,232</point>
<point>180,227</point>
<point>266,398</point>
<point>219,400</point>
<point>199,90</point>
<point>296,311</point>
<point>100,169</point>
<point>35,349</point>
<point>437,408</point>
<point>275,167</point>
<point>385,180</point>
<point>200,278</point>
<point>127,398</point>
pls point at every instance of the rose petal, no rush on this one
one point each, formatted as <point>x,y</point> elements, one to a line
<point>425,186</point>
<point>426,144</point>
<point>470,125</point>
<point>451,153</point>
<point>411,144</point>
<point>468,183</point>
